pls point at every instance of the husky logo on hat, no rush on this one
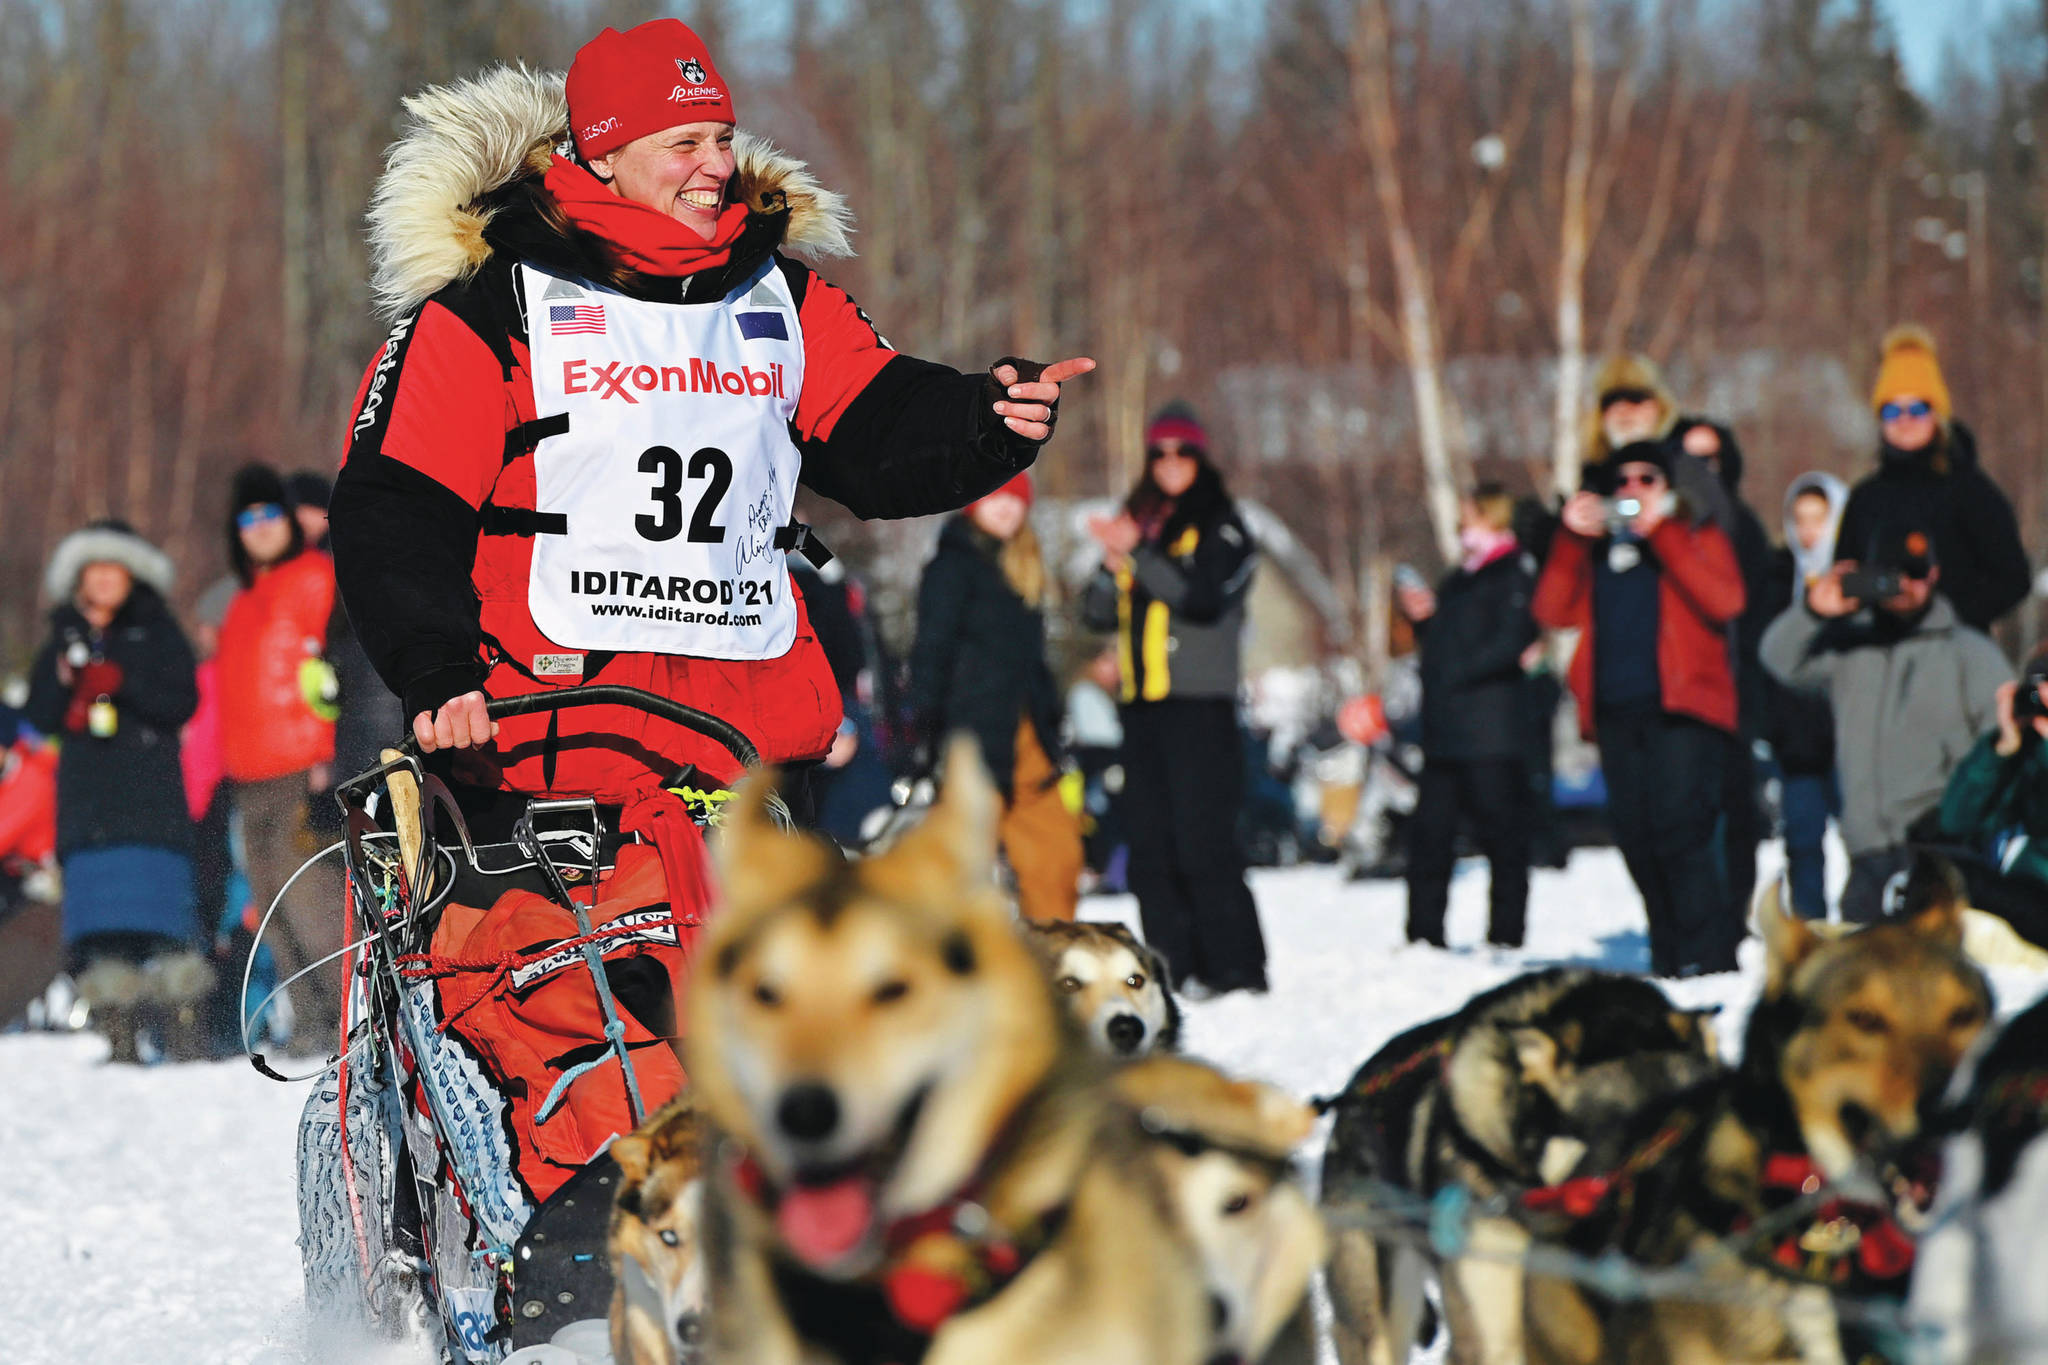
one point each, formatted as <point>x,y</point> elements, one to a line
<point>692,69</point>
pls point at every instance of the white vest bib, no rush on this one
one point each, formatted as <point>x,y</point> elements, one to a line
<point>677,471</point>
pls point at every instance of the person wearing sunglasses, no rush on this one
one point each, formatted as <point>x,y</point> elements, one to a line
<point>279,700</point>
<point>1654,592</point>
<point>1928,472</point>
<point>1176,567</point>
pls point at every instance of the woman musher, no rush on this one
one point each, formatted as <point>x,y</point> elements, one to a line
<point>575,457</point>
<point>574,460</point>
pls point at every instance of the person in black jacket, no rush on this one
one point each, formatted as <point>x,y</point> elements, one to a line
<point>1742,815</point>
<point>1176,567</point>
<point>979,665</point>
<point>113,683</point>
<point>1473,629</point>
<point>1928,474</point>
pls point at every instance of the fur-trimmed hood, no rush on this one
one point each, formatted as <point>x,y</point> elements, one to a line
<point>467,143</point>
<point>105,542</point>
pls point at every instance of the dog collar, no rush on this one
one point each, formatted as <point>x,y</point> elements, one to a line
<point>954,1256</point>
<point>938,1262</point>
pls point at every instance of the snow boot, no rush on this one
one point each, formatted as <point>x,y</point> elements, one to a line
<point>176,986</point>
<point>114,990</point>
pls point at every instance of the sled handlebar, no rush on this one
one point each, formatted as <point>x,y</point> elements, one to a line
<point>721,732</point>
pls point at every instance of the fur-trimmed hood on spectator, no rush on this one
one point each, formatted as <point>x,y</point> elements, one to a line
<point>464,182</point>
<point>106,542</point>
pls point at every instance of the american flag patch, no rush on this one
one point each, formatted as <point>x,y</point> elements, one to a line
<point>579,319</point>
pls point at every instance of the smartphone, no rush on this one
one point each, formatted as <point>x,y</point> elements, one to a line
<point>1409,579</point>
<point>1872,585</point>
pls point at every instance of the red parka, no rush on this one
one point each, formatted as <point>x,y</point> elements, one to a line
<point>426,520</point>
<point>1699,595</point>
<point>273,628</point>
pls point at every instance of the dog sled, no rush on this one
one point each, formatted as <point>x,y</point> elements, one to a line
<point>511,1009</point>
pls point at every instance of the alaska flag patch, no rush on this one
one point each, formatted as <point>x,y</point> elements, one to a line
<point>754,326</point>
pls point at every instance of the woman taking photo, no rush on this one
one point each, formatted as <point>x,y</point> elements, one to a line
<point>1176,565</point>
<point>979,666</point>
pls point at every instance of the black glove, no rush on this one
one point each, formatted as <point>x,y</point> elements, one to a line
<point>1028,372</point>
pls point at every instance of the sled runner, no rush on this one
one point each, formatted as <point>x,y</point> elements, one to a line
<point>512,1009</point>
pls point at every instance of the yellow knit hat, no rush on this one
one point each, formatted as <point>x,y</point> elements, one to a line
<point>1909,370</point>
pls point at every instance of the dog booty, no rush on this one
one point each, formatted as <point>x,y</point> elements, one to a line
<point>178,978</point>
<point>110,983</point>
<point>176,987</point>
<point>114,990</point>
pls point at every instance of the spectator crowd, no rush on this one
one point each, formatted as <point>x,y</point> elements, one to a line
<point>179,774</point>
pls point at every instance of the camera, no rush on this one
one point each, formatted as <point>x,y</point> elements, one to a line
<point>2026,703</point>
<point>1622,511</point>
<point>1872,585</point>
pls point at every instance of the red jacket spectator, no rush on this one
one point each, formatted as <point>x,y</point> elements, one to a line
<point>1699,593</point>
<point>274,626</point>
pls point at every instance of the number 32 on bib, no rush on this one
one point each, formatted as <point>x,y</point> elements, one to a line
<point>664,498</point>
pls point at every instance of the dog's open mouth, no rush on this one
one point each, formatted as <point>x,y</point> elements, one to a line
<point>1900,1174</point>
<point>829,1212</point>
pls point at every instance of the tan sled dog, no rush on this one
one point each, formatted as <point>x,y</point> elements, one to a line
<point>656,1249</point>
<point>918,1158</point>
<point>1225,1148</point>
<point>1112,984</point>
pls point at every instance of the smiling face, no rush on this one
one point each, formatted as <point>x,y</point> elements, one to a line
<point>682,171</point>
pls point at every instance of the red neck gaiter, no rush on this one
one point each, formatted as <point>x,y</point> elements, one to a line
<point>645,239</point>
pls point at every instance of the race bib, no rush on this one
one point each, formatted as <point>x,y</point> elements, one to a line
<point>659,507</point>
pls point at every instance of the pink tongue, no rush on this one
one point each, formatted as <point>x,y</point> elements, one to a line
<point>821,1223</point>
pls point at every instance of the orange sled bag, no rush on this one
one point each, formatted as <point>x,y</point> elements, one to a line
<point>511,987</point>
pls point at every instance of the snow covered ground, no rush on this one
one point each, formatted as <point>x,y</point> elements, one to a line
<point>149,1214</point>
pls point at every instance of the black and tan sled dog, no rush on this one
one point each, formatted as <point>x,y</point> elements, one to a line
<point>1511,1093</point>
<point>1114,986</point>
<point>916,1156</point>
<point>657,1313</point>
<point>1797,1182</point>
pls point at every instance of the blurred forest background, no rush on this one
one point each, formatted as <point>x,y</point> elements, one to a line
<point>1381,243</point>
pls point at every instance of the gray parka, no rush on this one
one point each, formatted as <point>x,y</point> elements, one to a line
<point>1906,710</point>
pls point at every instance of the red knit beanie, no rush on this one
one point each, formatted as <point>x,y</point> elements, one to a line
<point>1177,422</point>
<point>653,76</point>
<point>1019,487</point>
